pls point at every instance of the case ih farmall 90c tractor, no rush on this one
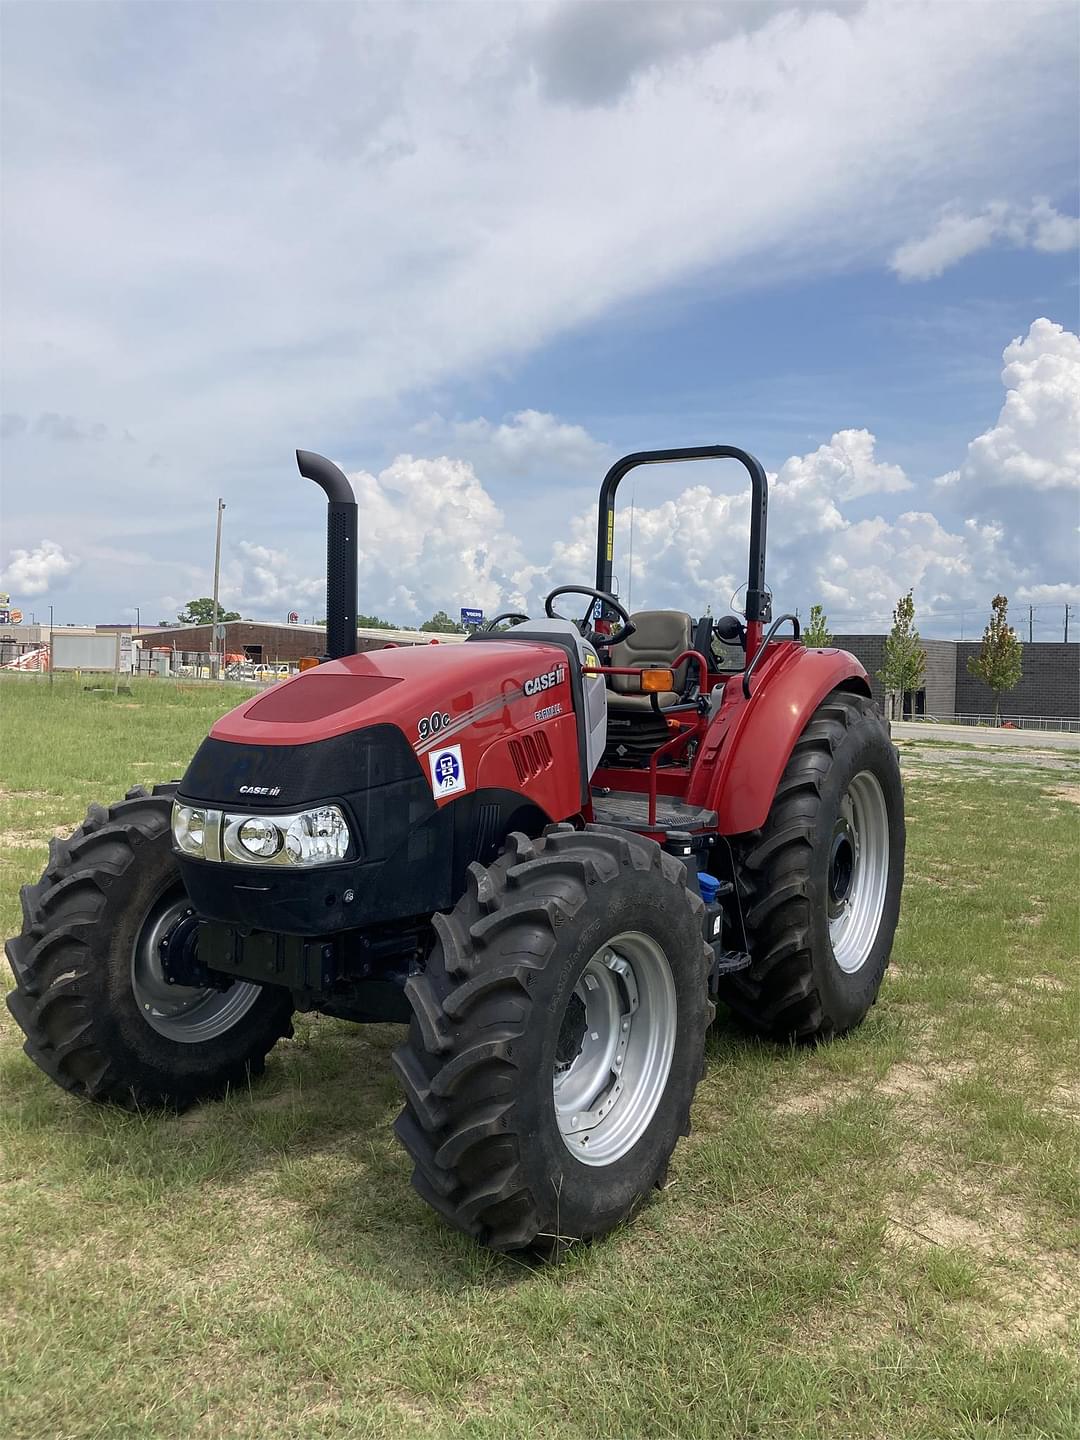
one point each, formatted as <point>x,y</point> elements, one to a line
<point>548,850</point>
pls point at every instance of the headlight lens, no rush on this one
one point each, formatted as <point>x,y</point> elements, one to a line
<point>189,829</point>
<point>260,837</point>
<point>319,836</point>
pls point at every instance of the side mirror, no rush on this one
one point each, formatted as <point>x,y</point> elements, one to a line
<point>729,630</point>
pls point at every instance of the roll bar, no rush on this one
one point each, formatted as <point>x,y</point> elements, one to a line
<point>756,595</point>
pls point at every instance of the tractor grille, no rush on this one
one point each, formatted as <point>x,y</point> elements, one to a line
<point>531,755</point>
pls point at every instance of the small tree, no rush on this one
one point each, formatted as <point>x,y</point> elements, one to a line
<point>373,622</point>
<point>441,624</point>
<point>904,664</point>
<point>201,612</point>
<point>999,663</point>
<point>816,633</point>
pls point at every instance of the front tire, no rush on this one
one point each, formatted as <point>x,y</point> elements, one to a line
<point>90,995</point>
<point>821,880</point>
<point>557,1038</point>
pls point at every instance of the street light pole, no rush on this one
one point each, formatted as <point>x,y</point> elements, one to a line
<point>214,667</point>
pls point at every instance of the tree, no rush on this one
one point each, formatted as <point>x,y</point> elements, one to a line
<point>904,664</point>
<point>999,663</point>
<point>372,622</point>
<point>816,633</point>
<point>201,612</point>
<point>441,624</point>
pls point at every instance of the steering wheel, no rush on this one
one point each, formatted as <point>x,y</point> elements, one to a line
<point>515,616</point>
<point>585,623</point>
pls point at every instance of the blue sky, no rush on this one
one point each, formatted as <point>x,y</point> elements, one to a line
<point>475,252</point>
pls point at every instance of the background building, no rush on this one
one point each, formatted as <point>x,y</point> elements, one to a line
<point>1049,689</point>
<point>268,643</point>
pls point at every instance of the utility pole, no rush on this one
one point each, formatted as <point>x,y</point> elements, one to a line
<point>1067,609</point>
<point>214,667</point>
<point>52,672</point>
<point>1031,624</point>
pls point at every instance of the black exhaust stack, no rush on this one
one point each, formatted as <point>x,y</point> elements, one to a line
<point>341,552</point>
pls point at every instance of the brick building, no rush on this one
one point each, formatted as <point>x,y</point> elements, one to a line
<point>265,642</point>
<point>1049,689</point>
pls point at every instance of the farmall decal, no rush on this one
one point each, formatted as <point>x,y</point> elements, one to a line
<point>547,681</point>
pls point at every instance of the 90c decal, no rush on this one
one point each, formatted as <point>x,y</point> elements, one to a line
<point>432,724</point>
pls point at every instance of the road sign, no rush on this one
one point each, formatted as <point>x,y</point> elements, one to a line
<point>219,632</point>
<point>471,617</point>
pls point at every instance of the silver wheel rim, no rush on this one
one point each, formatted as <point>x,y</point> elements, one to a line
<point>181,1012</point>
<point>858,875</point>
<point>616,1043</point>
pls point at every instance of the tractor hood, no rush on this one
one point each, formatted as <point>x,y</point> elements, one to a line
<point>425,690</point>
<point>429,752</point>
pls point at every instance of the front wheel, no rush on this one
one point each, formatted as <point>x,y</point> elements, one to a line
<point>91,991</point>
<point>557,1038</point>
<point>821,880</point>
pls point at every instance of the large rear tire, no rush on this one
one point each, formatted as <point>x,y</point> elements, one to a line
<point>91,997</point>
<point>821,879</point>
<point>557,1038</point>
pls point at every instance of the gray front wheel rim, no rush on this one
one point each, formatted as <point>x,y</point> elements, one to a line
<point>187,1014</point>
<point>607,1093</point>
<point>859,864</point>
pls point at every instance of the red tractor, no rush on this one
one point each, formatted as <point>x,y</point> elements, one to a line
<point>548,850</point>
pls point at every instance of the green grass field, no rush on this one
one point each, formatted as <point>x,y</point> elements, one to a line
<point>877,1238</point>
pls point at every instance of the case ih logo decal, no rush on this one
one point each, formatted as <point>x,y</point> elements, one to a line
<point>547,681</point>
<point>260,789</point>
<point>447,770</point>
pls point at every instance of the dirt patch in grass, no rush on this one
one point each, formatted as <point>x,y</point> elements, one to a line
<point>1033,1290</point>
<point>917,1081</point>
<point>21,840</point>
<point>1064,792</point>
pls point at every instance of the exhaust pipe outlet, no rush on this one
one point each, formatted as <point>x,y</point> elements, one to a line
<point>342,553</point>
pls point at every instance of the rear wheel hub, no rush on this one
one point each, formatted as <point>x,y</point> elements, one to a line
<point>858,872</point>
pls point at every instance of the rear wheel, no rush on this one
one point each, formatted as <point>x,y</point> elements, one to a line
<point>557,1040</point>
<point>821,879</point>
<point>91,995</point>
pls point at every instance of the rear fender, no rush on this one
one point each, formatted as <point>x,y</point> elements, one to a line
<point>750,741</point>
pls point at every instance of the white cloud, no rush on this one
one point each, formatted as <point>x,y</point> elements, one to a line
<point>531,443</point>
<point>360,207</point>
<point>364,218</point>
<point>1035,444</point>
<point>431,538</point>
<point>957,235</point>
<point>590,54</point>
<point>39,571</point>
<point>1012,497</point>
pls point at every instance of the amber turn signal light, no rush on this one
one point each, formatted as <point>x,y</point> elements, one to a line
<point>309,662</point>
<point>657,681</point>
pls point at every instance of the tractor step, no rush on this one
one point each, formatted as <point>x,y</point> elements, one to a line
<point>630,811</point>
<point>726,962</point>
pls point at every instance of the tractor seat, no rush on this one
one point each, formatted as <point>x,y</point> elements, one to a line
<point>659,638</point>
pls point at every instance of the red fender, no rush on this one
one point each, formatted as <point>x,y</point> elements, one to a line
<point>750,741</point>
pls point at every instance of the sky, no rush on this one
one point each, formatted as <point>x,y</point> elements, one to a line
<point>474,253</point>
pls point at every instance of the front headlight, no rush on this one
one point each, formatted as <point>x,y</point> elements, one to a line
<point>319,836</point>
<point>189,829</point>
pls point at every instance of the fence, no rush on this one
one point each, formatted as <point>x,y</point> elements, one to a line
<point>1019,722</point>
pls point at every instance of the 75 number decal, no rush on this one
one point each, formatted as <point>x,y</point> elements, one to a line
<point>433,724</point>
